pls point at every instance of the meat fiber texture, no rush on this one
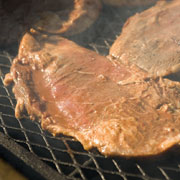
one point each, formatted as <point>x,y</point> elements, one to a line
<point>150,40</point>
<point>100,101</point>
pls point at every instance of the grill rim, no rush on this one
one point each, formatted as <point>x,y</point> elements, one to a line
<point>30,159</point>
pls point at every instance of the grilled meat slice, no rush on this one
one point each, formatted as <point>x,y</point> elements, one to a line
<point>151,40</point>
<point>57,16</point>
<point>99,101</point>
<point>75,18</point>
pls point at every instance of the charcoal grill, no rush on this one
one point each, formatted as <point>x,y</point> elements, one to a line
<point>39,155</point>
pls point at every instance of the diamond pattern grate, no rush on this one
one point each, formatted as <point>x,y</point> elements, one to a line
<point>66,155</point>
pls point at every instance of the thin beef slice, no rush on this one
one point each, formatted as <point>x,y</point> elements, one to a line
<point>101,102</point>
<point>151,40</point>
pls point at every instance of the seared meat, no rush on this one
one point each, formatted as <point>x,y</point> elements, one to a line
<point>151,40</point>
<point>101,102</point>
<point>75,18</point>
<point>57,16</point>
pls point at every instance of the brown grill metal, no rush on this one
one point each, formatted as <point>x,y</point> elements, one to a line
<point>64,154</point>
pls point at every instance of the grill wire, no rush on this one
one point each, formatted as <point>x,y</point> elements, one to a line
<point>66,155</point>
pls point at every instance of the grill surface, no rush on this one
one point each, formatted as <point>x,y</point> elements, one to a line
<point>64,154</point>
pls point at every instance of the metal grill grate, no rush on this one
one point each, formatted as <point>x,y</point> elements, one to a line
<point>66,155</point>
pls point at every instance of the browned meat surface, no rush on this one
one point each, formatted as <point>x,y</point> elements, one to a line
<point>57,16</point>
<point>151,39</point>
<point>77,17</point>
<point>129,2</point>
<point>99,101</point>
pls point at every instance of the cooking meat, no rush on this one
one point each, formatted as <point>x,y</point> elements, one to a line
<point>101,102</point>
<point>129,2</point>
<point>57,16</point>
<point>151,40</point>
<point>77,17</point>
